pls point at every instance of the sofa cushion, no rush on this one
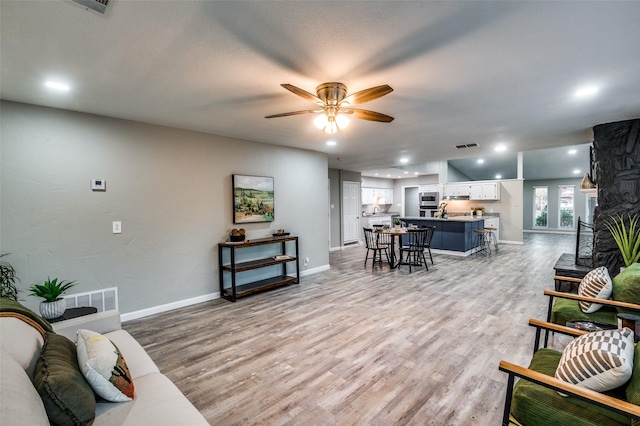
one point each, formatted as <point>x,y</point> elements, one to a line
<point>19,400</point>
<point>158,402</point>
<point>626,287</point>
<point>596,283</point>
<point>104,367</point>
<point>22,342</point>
<point>600,361</point>
<point>66,395</point>
<point>536,405</point>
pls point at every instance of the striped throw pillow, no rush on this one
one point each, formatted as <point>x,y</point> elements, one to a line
<point>596,283</point>
<point>600,361</point>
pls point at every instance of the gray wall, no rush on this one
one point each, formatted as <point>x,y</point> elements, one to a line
<point>336,177</point>
<point>553,216</point>
<point>170,188</point>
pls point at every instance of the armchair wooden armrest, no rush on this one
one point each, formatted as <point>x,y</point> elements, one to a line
<point>547,326</point>
<point>605,302</point>
<point>617,405</point>
<point>570,279</point>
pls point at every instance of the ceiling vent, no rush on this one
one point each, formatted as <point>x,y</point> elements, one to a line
<point>97,5</point>
<point>469,145</point>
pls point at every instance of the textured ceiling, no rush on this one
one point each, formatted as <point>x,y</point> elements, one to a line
<point>462,72</point>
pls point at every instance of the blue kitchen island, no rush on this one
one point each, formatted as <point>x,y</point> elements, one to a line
<point>453,235</point>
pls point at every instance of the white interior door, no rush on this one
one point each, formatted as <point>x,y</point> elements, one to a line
<point>350,211</point>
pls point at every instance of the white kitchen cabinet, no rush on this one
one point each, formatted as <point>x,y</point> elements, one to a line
<point>429,188</point>
<point>485,191</point>
<point>372,195</point>
<point>457,190</point>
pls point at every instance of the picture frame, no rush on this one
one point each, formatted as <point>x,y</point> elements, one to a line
<point>253,199</point>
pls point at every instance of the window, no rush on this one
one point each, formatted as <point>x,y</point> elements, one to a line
<point>540,206</point>
<point>567,211</point>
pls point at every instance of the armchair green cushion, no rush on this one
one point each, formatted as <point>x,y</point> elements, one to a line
<point>567,310</point>
<point>626,287</point>
<point>534,405</point>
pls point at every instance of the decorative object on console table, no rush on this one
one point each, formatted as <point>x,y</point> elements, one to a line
<point>234,266</point>
<point>237,235</point>
<point>53,305</point>
<point>253,199</point>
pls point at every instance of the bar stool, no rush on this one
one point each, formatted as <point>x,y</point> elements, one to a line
<point>491,237</point>
<point>481,243</point>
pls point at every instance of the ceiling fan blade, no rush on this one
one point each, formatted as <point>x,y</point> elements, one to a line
<point>368,95</point>
<point>286,114</point>
<point>364,114</point>
<point>302,93</point>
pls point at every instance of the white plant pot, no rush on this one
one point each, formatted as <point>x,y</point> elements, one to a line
<point>50,310</point>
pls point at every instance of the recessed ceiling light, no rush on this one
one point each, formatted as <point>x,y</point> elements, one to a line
<point>500,148</point>
<point>331,143</point>
<point>573,151</point>
<point>583,92</point>
<point>576,171</point>
<point>498,176</point>
<point>375,174</point>
<point>404,160</point>
<point>57,85</point>
<point>406,173</point>
<point>388,175</point>
<point>399,177</point>
<point>416,173</point>
<point>480,161</point>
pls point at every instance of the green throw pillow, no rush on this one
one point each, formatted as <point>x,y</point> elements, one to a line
<point>67,397</point>
<point>626,287</point>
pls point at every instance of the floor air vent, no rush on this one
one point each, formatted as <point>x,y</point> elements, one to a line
<point>97,5</point>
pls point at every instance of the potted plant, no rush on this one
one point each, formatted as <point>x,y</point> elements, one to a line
<point>397,223</point>
<point>53,305</point>
<point>628,240</point>
<point>8,280</point>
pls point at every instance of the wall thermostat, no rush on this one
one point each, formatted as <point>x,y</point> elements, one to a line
<point>98,185</point>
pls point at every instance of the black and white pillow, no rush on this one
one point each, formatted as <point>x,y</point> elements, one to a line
<point>600,361</point>
<point>596,283</point>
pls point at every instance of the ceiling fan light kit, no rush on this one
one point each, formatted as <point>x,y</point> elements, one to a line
<point>335,103</point>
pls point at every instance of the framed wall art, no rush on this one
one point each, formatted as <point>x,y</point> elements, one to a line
<point>253,199</point>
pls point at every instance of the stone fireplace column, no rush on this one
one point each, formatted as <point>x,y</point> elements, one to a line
<point>616,169</point>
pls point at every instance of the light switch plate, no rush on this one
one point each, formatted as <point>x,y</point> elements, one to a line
<point>117,227</point>
<point>98,185</point>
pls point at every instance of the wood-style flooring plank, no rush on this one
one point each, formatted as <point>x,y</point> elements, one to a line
<point>358,345</point>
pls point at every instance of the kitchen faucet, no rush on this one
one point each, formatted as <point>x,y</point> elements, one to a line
<point>376,210</point>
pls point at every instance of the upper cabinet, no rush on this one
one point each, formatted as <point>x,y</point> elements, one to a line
<point>377,195</point>
<point>457,190</point>
<point>430,188</point>
<point>485,191</point>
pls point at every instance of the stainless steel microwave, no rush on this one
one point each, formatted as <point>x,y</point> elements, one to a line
<point>429,199</point>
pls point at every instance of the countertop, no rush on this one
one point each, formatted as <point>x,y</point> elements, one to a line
<point>450,218</point>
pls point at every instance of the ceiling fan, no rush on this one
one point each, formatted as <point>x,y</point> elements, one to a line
<point>336,105</point>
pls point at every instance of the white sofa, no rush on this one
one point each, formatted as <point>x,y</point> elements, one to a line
<point>157,400</point>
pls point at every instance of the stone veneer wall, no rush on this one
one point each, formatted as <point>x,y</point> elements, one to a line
<point>616,149</point>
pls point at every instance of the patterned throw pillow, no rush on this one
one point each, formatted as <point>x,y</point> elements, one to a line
<point>600,361</point>
<point>104,367</point>
<point>596,283</point>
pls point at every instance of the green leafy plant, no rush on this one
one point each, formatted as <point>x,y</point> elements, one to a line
<point>397,222</point>
<point>51,289</point>
<point>8,280</point>
<point>628,240</point>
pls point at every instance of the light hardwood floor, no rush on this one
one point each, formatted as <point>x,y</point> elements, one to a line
<point>362,346</point>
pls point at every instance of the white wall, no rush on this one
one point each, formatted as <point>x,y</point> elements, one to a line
<point>170,188</point>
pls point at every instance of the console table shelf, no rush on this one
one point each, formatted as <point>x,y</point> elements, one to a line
<point>235,267</point>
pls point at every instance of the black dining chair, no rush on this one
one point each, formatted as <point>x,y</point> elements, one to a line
<point>417,242</point>
<point>372,242</point>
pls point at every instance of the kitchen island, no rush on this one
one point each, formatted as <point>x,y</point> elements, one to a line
<point>453,235</point>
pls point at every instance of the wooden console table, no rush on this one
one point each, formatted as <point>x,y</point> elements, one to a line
<point>236,266</point>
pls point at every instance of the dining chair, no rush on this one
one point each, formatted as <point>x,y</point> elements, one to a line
<point>416,245</point>
<point>372,242</point>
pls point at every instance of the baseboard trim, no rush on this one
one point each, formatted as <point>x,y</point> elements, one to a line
<point>168,307</point>
<point>130,316</point>
<point>550,231</point>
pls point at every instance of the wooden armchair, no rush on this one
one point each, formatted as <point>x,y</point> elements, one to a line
<point>534,399</point>
<point>625,299</point>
